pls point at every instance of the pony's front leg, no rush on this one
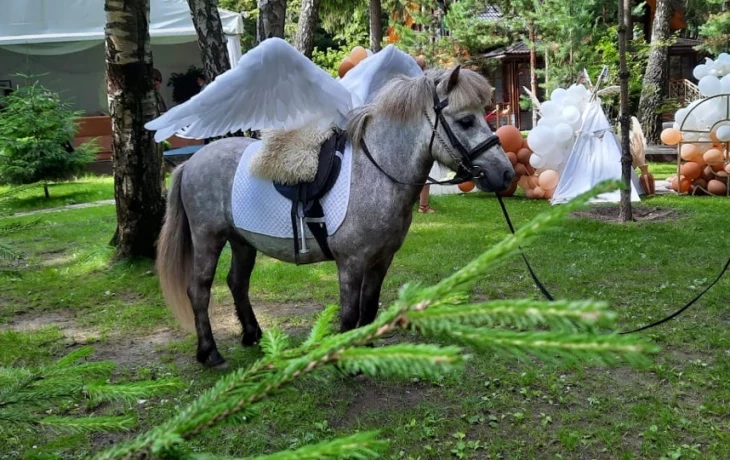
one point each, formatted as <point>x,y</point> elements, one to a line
<point>371,287</point>
<point>205,260</point>
<point>351,275</point>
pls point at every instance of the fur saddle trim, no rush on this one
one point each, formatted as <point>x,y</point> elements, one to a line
<point>290,157</point>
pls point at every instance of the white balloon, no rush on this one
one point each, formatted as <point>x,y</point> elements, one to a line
<point>571,114</point>
<point>709,86</point>
<point>723,133</point>
<point>725,84</point>
<point>546,122</point>
<point>541,138</point>
<point>536,161</point>
<point>675,125</point>
<point>700,71</point>
<point>550,109</point>
<point>558,95</point>
<point>563,132</point>
<point>691,137</point>
<point>681,115</point>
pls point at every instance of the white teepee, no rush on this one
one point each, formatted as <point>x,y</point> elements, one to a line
<point>595,157</point>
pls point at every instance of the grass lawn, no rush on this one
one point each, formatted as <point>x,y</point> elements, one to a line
<point>82,190</point>
<point>662,170</point>
<point>66,293</point>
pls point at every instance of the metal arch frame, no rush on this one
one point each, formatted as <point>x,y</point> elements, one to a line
<point>726,153</point>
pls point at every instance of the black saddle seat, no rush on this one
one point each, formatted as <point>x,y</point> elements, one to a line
<point>305,196</point>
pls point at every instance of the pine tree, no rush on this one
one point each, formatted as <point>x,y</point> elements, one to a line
<point>550,331</point>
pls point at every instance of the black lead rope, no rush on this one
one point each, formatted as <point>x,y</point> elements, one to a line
<point>537,281</point>
<point>548,296</point>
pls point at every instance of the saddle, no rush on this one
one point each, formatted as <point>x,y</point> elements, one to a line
<point>305,196</point>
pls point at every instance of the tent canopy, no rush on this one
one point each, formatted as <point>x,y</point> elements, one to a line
<point>61,43</point>
<point>25,22</point>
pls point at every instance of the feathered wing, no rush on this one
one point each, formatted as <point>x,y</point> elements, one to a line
<point>273,86</point>
<point>535,101</point>
<point>638,144</point>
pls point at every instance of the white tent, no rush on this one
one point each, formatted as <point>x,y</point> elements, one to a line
<point>64,39</point>
<point>596,157</point>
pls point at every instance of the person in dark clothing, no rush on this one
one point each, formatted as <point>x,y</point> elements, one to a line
<point>160,103</point>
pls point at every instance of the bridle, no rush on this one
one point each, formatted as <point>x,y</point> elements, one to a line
<point>464,158</point>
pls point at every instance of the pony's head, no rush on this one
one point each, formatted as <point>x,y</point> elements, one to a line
<point>449,106</point>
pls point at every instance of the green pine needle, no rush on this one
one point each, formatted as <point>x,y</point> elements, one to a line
<point>130,392</point>
<point>324,325</point>
<point>89,424</point>
<point>403,360</point>
<point>74,356</point>
<point>523,314</point>
<point>273,342</point>
<point>360,446</point>
<point>552,346</point>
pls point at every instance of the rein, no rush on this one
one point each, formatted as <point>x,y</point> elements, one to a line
<point>550,298</point>
<point>467,170</point>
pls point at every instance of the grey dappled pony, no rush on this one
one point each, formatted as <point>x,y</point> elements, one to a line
<point>397,128</point>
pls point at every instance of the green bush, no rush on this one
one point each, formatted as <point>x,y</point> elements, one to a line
<point>36,131</point>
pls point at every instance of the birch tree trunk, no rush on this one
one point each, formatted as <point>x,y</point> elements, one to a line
<point>626,213</point>
<point>376,25</point>
<point>655,78</point>
<point>138,181</point>
<point>211,40</point>
<point>307,26</point>
<point>272,16</point>
<point>533,66</point>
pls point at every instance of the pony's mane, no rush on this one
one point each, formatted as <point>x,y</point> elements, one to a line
<point>404,99</point>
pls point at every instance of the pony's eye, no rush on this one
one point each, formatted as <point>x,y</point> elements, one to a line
<point>467,121</point>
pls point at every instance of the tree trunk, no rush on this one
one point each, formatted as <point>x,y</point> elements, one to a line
<point>655,78</point>
<point>376,25</point>
<point>272,16</point>
<point>211,40</point>
<point>308,19</point>
<point>533,66</point>
<point>138,181</point>
<point>626,213</point>
<point>45,191</point>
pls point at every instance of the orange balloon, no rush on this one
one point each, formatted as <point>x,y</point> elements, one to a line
<point>713,136</point>
<point>727,168</point>
<point>701,183</point>
<point>691,170</point>
<point>713,157</point>
<point>510,137</point>
<point>716,187</point>
<point>548,179</point>
<point>689,152</point>
<point>525,145</point>
<point>538,192</point>
<point>530,170</point>
<point>529,193</point>
<point>549,193</point>
<point>467,186</point>
<point>707,174</point>
<point>523,156</point>
<point>684,185</point>
<point>357,54</point>
<point>718,167</point>
<point>512,157</point>
<point>345,66</point>
<point>671,136</point>
<point>520,169</point>
<point>525,182</point>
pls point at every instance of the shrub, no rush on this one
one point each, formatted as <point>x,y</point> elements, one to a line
<point>36,131</point>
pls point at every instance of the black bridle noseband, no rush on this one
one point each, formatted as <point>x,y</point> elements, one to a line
<point>467,170</point>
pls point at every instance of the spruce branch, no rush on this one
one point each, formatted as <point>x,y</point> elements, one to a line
<point>273,342</point>
<point>88,424</point>
<point>360,446</point>
<point>430,311</point>
<point>130,392</point>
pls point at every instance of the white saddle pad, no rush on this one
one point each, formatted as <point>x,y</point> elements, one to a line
<point>258,208</point>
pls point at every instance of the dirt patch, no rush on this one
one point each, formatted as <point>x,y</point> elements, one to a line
<point>64,320</point>
<point>372,397</point>
<point>610,213</point>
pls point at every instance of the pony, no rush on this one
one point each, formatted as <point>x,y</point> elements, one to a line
<point>411,122</point>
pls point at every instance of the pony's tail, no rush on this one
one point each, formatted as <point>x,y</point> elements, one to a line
<point>174,255</point>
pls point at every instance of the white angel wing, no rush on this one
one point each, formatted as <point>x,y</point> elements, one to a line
<point>273,86</point>
<point>373,72</point>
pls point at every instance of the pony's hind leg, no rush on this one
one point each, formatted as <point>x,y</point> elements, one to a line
<point>206,252</point>
<point>239,277</point>
<point>351,275</point>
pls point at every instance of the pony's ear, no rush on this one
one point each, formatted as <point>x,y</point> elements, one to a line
<point>453,79</point>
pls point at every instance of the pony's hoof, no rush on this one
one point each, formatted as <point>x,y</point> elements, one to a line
<point>251,339</point>
<point>214,361</point>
